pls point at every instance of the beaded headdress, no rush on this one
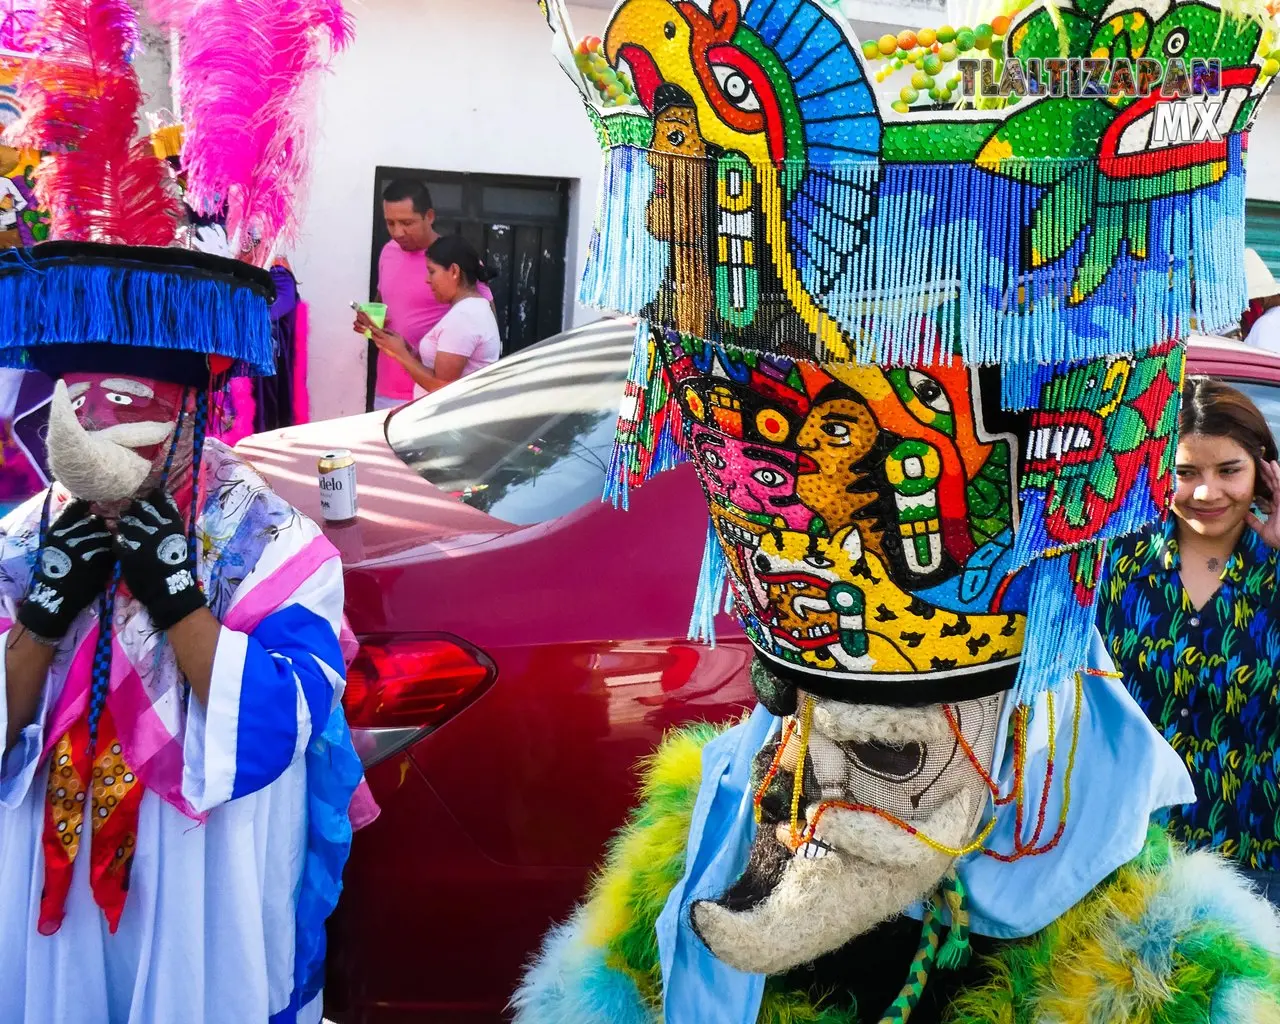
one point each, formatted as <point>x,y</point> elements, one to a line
<point>916,308</point>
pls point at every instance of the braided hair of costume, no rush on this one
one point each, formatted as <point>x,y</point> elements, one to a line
<point>101,677</point>
<point>200,427</point>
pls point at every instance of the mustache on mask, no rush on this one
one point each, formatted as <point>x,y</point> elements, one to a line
<point>98,465</point>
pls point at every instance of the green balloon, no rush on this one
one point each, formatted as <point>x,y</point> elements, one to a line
<point>947,52</point>
<point>932,64</point>
<point>909,95</point>
<point>921,81</point>
<point>965,40</point>
<point>900,107</point>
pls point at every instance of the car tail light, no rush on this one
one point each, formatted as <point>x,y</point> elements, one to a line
<point>401,688</point>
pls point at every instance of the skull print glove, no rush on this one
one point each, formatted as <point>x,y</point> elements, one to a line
<point>72,568</point>
<point>151,540</point>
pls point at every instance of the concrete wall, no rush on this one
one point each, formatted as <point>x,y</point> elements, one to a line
<point>1264,152</point>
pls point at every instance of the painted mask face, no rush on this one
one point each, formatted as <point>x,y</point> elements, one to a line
<point>845,862</point>
<point>108,433</point>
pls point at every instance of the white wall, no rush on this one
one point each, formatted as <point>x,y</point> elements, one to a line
<point>444,85</point>
<point>1263,180</point>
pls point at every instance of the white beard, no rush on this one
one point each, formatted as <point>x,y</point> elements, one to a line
<point>100,465</point>
<point>873,874</point>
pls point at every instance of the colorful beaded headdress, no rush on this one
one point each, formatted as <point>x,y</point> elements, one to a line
<point>916,308</point>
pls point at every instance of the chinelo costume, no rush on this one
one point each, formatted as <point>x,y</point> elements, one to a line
<point>163,857</point>
<point>925,357</point>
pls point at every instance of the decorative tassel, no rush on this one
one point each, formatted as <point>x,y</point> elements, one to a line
<point>955,952</point>
<point>713,582</point>
<point>1061,600</point>
<point>645,442</point>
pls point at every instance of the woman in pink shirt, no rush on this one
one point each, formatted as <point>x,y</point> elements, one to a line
<point>465,339</point>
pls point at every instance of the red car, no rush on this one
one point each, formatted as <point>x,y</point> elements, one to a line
<point>522,647</point>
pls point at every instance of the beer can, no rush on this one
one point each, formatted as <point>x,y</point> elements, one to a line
<point>337,486</point>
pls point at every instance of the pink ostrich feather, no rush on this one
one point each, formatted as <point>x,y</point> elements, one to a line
<point>247,74</point>
<point>80,97</point>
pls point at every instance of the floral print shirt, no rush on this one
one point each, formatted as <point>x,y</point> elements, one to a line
<point>1207,680</point>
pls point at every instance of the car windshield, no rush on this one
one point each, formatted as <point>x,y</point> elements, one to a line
<point>1266,397</point>
<point>528,438</point>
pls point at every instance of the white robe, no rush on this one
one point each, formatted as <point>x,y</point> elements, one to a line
<point>208,931</point>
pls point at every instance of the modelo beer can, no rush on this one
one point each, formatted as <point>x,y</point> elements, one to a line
<point>337,486</point>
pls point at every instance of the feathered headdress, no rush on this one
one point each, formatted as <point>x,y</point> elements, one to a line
<point>80,96</point>
<point>111,278</point>
<point>245,81</point>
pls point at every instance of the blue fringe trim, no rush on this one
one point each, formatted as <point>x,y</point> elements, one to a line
<point>1059,629</point>
<point>713,589</point>
<point>625,266</point>
<point>943,259</point>
<point>53,303</point>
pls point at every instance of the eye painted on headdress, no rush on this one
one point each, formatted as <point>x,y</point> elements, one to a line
<point>676,137</point>
<point>116,398</point>
<point>78,402</point>
<point>769,477</point>
<point>1175,43</point>
<point>737,88</point>
<point>929,391</point>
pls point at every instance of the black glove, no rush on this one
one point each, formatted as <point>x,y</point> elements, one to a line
<point>72,568</point>
<point>151,541</point>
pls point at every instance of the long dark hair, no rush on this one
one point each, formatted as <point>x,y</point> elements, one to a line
<point>1215,409</point>
<point>455,251</point>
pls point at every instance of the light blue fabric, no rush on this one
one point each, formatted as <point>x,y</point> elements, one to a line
<point>695,985</point>
<point>1124,772</point>
<point>333,773</point>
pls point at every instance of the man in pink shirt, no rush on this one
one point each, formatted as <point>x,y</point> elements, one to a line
<point>412,309</point>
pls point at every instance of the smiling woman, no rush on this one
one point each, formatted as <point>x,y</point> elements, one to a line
<point>1191,615</point>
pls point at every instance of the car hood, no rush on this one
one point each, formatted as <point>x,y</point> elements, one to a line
<point>399,511</point>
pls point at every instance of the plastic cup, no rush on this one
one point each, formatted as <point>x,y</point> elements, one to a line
<point>375,311</point>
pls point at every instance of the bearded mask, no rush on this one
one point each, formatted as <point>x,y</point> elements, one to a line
<point>843,795</point>
<point>108,434</point>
